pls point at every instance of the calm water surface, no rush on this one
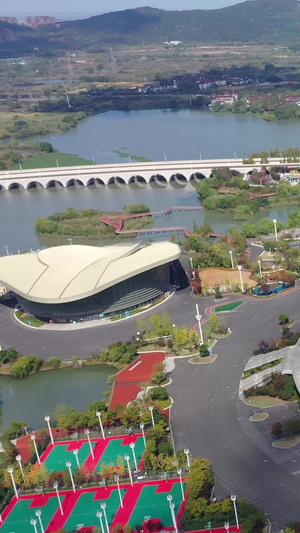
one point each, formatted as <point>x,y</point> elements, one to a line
<point>28,400</point>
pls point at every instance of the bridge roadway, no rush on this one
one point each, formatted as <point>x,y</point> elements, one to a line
<point>160,172</point>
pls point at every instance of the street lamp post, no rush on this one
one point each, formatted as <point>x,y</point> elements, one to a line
<point>69,466</point>
<point>99,515</point>
<point>103,507</point>
<point>241,277</point>
<point>98,414</point>
<point>143,433</point>
<point>132,446</point>
<point>75,452</point>
<point>179,472</point>
<point>33,438</point>
<point>187,453</point>
<point>55,486</point>
<point>275,228</point>
<point>10,470</point>
<point>47,419</point>
<point>233,499</point>
<point>191,262</point>
<point>33,523</point>
<point>127,459</point>
<point>231,259</point>
<point>87,432</point>
<point>38,513</point>
<point>6,248</point>
<point>152,417</point>
<point>259,266</point>
<point>226,525</point>
<point>19,460</point>
<point>198,318</point>
<point>117,480</point>
<point>172,509</point>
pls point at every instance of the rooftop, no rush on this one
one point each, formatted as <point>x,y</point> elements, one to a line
<point>72,272</point>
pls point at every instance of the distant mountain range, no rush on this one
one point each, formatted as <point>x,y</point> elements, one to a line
<point>263,21</point>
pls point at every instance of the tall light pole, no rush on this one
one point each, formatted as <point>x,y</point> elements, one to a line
<point>103,507</point>
<point>99,515</point>
<point>55,486</point>
<point>143,433</point>
<point>231,259</point>
<point>19,460</point>
<point>191,261</point>
<point>38,513</point>
<point>75,452</point>
<point>187,453</point>
<point>33,523</point>
<point>259,266</point>
<point>117,480</point>
<point>172,509</point>
<point>226,525</point>
<point>152,417</point>
<point>241,277</point>
<point>98,414</point>
<point>70,240</point>
<point>69,466</point>
<point>275,228</point>
<point>33,438</point>
<point>127,459</point>
<point>198,318</point>
<point>6,248</point>
<point>233,499</point>
<point>47,419</point>
<point>87,432</point>
<point>10,470</point>
<point>179,472</point>
<point>132,446</point>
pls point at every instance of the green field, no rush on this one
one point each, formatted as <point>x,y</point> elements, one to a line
<point>53,159</point>
<point>228,307</point>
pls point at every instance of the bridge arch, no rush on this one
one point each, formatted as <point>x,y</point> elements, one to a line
<point>137,179</point>
<point>95,181</point>
<point>116,180</point>
<point>35,185</point>
<point>2,188</point>
<point>73,182</point>
<point>15,186</point>
<point>197,176</point>
<point>53,183</point>
<point>178,178</point>
<point>159,179</point>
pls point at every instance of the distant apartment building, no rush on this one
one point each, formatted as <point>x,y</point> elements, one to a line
<point>34,22</point>
<point>10,20</point>
<point>229,99</point>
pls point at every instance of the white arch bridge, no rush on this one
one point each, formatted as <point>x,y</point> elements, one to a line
<point>161,173</point>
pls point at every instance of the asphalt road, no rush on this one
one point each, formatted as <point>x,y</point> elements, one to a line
<point>209,418</point>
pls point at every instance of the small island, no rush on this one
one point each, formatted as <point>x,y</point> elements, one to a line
<point>94,223</point>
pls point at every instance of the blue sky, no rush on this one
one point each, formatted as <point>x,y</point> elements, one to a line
<point>75,9</point>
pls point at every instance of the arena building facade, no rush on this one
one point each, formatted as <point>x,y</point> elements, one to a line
<point>77,282</point>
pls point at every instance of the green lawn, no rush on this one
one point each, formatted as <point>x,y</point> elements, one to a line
<point>228,307</point>
<point>52,160</point>
<point>29,320</point>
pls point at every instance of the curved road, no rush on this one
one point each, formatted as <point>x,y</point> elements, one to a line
<point>211,420</point>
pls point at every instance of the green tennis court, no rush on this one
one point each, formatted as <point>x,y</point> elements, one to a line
<point>154,504</point>
<point>86,508</point>
<point>116,449</point>
<point>59,455</point>
<point>22,513</point>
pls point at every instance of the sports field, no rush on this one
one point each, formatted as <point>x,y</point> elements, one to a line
<point>106,451</point>
<point>148,499</point>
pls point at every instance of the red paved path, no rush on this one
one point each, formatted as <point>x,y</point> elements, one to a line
<point>128,381</point>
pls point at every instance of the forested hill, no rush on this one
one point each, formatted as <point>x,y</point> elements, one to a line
<point>254,20</point>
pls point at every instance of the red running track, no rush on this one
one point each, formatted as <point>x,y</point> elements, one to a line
<point>128,381</point>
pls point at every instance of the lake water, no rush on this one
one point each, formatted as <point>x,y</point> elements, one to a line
<point>28,400</point>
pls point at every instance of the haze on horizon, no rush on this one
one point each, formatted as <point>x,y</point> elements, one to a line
<point>68,9</point>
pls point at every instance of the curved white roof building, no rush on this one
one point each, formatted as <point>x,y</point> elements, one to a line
<point>74,281</point>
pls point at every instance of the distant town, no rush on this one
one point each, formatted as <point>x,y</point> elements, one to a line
<point>32,22</point>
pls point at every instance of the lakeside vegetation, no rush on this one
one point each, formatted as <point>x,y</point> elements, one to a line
<point>87,223</point>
